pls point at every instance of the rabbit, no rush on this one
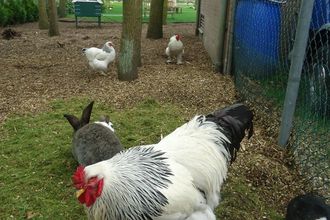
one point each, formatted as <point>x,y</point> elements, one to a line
<point>92,142</point>
<point>308,207</point>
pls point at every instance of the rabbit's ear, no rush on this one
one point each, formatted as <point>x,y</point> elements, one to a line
<point>86,115</point>
<point>74,121</point>
<point>105,118</point>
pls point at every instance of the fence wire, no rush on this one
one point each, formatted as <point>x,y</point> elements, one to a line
<point>264,33</point>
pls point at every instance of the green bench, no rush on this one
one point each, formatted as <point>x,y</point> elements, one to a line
<point>88,9</point>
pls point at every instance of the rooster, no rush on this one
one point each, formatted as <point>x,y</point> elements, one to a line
<point>175,49</point>
<point>177,179</point>
<point>99,59</point>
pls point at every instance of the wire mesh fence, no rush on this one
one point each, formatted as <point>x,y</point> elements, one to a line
<point>264,35</point>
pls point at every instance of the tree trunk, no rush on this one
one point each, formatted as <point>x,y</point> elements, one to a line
<point>155,27</point>
<point>165,8</point>
<point>53,25</point>
<point>43,18</point>
<point>138,32</point>
<point>130,45</point>
<point>198,16</point>
<point>62,9</point>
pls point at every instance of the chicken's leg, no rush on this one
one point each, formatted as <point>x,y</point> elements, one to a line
<point>179,59</point>
<point>167,52</point>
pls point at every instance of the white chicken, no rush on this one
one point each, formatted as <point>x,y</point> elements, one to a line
<point>99,59</point>
<point>175,49</point>
<point>177,179</point>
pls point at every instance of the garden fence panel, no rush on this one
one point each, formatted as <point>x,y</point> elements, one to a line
<point>264,33</point>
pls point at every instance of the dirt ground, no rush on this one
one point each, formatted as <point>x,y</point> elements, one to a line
<point>36,69</point>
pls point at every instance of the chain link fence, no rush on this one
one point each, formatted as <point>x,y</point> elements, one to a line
<point>264,35</point>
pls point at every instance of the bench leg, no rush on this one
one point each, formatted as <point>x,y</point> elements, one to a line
<point>99,20</point>
<point>76,21</point>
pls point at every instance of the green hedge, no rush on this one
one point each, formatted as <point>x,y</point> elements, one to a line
<point>17,12</point>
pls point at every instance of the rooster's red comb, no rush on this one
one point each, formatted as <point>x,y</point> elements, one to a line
<point>78,177</point>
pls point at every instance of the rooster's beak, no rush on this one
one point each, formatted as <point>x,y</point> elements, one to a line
<point>79,192</point>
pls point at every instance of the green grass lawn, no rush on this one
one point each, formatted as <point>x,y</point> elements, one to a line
<point>36,161</point>
<point>188,15</point>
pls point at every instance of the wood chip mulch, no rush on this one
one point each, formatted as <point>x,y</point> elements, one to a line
<point>36,69</point>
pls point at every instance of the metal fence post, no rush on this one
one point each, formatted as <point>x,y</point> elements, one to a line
<point>297,61</point>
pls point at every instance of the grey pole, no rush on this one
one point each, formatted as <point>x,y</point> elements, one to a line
<point>297,61</point>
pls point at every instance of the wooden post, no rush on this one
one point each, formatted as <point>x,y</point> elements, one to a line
<point>227,47</point>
